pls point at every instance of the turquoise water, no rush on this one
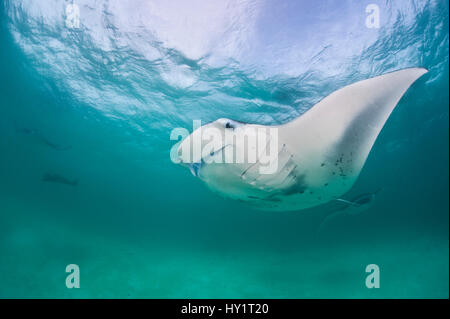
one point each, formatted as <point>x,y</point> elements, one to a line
<point>97,104</point>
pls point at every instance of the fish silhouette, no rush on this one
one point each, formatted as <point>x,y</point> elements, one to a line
<point>56,178</point>
<point>41,139</point>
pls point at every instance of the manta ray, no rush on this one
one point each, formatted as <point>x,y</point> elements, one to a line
<point>320,154</point>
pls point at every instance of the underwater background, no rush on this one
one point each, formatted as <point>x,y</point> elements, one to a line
<point>94,106</point>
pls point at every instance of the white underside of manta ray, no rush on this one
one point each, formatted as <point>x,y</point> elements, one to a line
<point>320,154</point>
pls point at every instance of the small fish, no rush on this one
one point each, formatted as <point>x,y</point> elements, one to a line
<point>40,138</point>
<point>55,178</point>
<point>354,206</point>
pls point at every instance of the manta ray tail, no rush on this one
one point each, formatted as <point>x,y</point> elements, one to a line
<point>347,202</point>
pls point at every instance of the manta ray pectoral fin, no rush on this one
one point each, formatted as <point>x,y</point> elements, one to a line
<point>341,129</point>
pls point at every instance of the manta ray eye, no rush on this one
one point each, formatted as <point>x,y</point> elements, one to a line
<point>229,125</point>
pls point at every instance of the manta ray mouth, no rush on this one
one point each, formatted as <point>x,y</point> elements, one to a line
<point>195,168</point>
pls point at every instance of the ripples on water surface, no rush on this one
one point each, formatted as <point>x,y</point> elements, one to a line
<point>96,105</point>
